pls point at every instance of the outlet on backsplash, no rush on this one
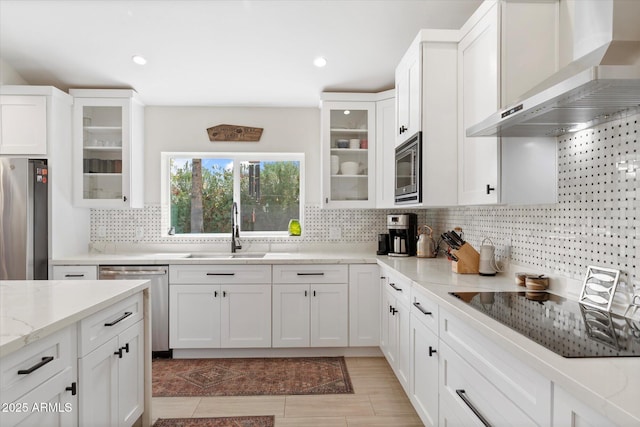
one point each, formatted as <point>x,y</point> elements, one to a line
<point>335,233</point>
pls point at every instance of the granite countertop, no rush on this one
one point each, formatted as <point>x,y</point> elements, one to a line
<point>33,309</point>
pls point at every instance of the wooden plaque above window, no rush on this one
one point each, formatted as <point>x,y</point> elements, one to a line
<point>234,133</point>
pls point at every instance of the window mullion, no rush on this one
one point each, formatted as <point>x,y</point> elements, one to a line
<point>236,188</point>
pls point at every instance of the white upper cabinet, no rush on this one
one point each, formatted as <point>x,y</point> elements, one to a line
<point>348,150</point>
<point>408,91</point>
<point>385,150</point>
<point>108,133</point>
<point>478,81</point>
<point>426,102</point>
<point>506,49</point>
<point>27,120</point>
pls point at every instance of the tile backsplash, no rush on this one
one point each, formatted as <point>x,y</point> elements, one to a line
<point>595,221</point>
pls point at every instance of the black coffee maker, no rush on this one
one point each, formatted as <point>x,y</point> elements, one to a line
<point>403,234</point>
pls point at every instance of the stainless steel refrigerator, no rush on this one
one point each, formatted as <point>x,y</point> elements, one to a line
<point>24,229</point>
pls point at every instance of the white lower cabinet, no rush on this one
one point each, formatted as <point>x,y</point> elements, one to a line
<point>219,306</point>
<point>395,334</point>
<point>473,397</point>
<point>364,305</point>
<point>38,383</point>
<point>194,316</point>
<point>313,315</point>
<point>424,343</point>
<point>310,305</point>
<point>570,412</point>
<point>75,272</point>
<point>111,380</point>
<point>220,316</point>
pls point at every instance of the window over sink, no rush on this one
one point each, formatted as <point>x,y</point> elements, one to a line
<point>199,190</point>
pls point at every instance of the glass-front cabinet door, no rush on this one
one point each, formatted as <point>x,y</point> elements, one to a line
<point>348,142</point>
<point>104,150</point>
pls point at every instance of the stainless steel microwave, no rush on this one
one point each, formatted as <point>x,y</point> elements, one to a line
<point>408,173</point>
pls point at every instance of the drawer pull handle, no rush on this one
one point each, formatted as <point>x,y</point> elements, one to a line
<point>119,319</point>
<point>38,365</point>
<point>431,351</point>
<point>393,285</point>
<point>221,274</point>
<point>422,310</point>
<point>73,389</point>
<point>465,399</point>
<point>310,274</point>
<point>74,275</point>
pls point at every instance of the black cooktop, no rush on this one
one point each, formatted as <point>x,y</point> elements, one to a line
<point>564,326</point>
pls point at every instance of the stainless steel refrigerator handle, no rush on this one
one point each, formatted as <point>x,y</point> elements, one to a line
<point>133,273</point>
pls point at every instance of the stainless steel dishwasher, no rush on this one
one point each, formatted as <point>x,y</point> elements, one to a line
<point>158,275</point>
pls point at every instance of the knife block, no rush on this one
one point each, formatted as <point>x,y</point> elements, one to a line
<point>468,260</point>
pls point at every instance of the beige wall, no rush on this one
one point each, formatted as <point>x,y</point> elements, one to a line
<point>9,76</point>
<point>185,129</point>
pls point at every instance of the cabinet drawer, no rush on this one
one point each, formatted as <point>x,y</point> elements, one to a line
<point>37,362</point>
<point>75,272</point>
<point>399,287</point>
<point>476,397</point>
<point>425,310</point>
<point>220,273</point>
<point>100,327</point>
<point>309,273</point>
<point>525,387</point>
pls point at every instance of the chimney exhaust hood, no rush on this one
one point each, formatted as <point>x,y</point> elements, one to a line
<point>598,87</point>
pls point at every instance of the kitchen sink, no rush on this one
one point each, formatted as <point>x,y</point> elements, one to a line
<point>225,256</point>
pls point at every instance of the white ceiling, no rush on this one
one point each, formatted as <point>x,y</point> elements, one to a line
<point>218,53</point>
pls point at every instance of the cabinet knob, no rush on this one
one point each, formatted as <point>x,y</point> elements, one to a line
<point>124,198</point>
<point>126,348</point>
<point>118,353</point>
<point>72,388</point>
<point>403,129</point>
<point>431,351</point>
<point>490,189</point>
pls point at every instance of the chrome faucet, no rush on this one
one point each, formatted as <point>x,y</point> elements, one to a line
<point>235,230</point>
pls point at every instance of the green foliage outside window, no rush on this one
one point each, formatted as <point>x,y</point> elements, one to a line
<point>269,194</point>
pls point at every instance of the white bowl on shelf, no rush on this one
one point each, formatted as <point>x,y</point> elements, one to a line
<point>349,168</point>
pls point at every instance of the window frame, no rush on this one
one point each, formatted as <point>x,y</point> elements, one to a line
<point>237,158</point>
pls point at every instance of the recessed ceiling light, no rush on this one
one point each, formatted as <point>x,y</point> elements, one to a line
<point>346,112</point>
<point>140,60</point>
<point>319,62</point>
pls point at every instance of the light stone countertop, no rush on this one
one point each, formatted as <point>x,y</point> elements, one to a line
<point>609,385</point>
<point>33,309</point>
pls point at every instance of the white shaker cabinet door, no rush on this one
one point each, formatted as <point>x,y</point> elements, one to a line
<point>98,386</point>
<point>329,315</point>
<point>291,315</point>
<point>23,125</point>
<point>131,375</point>
<point>194,316</point>
<point>364,305</point>
<point>478,81</point>
<point>245,316</point>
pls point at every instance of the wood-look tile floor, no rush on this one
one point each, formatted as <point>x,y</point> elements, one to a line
<point>378,401</point>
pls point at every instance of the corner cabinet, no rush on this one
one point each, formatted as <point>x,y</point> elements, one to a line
<point>108,139</point>
<point>348,137</point>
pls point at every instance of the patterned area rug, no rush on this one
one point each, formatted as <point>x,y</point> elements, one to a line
<point>250,377</point>
<point>267,421</point>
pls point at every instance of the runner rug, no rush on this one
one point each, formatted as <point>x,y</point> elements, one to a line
<point>250,377</point>
<point>266,421</point>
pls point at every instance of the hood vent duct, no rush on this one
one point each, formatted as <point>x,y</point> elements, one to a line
<point>600,86</point>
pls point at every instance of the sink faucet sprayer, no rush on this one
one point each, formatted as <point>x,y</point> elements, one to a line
<point>235,230</point>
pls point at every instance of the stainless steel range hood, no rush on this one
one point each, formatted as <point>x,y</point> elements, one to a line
<point>599,86</point>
